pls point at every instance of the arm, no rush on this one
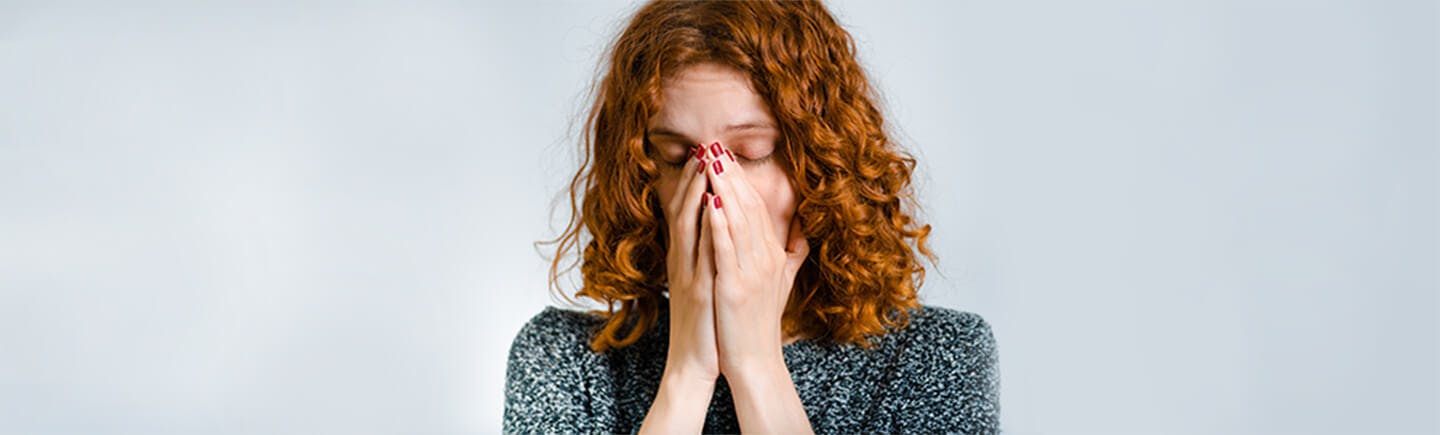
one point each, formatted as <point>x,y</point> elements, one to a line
<point>766,401</point>
<point>690,363</point>
<point>755,274</point>
<point>680,405</point>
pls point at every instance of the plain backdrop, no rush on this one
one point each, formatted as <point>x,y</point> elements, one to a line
<point>1207,217</point>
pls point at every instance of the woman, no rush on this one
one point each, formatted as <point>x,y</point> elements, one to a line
<point>744,208</point>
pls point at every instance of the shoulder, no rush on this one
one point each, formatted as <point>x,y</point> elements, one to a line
<point>556,330</point>
<point>553,321</point>
<point>553,380</point>
<point>948,373</point>
<point>940,327</point>
<point>947,341</point>
<point>554,347</point>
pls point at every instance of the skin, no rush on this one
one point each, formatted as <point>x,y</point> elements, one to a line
<point>731,264</point>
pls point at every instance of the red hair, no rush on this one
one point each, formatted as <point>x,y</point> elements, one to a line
<point>851,180</point>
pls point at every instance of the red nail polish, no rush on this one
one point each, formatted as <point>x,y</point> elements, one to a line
<point>717,201</point>
<point>704,198</point>
<point>715,148</point>
<point>719,169</point>
<point>699,152</point>
<point>727,154</point>
<point>700,169</point>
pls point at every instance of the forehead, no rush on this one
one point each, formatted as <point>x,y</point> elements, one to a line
<point>706,96</point>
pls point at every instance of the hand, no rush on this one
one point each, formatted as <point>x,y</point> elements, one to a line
<point>754,271</point>
<point>693,352</point>
<point>692,363</point>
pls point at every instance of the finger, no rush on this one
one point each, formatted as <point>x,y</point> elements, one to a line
<point>745,189</point>
<point>797,248</point>
<point>738,228</point>
<point>751,203</point>
<point>688,173</point>
<point>719,229</point>
<point>685,207</point>
<point>705,262</point>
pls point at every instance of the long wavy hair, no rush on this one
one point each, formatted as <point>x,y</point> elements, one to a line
<point>851,179</point>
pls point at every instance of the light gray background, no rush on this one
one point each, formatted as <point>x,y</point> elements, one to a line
<point>1179,217</point>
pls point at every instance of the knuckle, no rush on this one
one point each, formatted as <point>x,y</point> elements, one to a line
<point>732,297</point>
<point>672,208</point>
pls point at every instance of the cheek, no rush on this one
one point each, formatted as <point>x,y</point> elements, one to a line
<point>666,187</point>
<point>779,197</point>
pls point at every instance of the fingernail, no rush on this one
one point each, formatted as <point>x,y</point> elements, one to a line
<point>699,152</point>
<point>704,198</point>
<point>717,201</point>
<point>727,154</point>
<point>719,168</point>
<point>700,168</point>
<point>715,148</point>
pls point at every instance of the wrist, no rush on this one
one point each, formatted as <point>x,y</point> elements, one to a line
<point>683,376</point>
<point>758,372</point>
<point>747,363</point>
<point>680,404</point>
<point>688,367</point>
<point>766,400</point>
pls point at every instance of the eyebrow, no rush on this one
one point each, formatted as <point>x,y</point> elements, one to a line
<point>750,125</point>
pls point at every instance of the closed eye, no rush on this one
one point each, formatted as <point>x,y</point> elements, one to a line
<point>656,156</point>
<point>745,161</point>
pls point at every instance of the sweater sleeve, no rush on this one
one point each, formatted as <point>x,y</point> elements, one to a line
<point>950,379</point>
<point>553,381</point>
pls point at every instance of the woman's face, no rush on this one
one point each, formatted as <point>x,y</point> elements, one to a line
<point>708,103</point>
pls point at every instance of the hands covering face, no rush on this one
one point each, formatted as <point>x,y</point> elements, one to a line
<point>730,275</point>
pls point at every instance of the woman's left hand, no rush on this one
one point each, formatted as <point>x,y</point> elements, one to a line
<point>754,271</point>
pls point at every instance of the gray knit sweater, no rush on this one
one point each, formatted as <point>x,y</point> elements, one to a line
<point>938,375</point>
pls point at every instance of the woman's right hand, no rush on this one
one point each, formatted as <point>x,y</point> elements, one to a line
<point>691,275</point>
<point>692,364</point>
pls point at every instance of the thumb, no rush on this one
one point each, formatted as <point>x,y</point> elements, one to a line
<point>796,248</point>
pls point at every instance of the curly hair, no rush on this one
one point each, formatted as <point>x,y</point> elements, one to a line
<point>862,273</point>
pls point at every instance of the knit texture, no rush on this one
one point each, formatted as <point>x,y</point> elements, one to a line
<point>937,375</point>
